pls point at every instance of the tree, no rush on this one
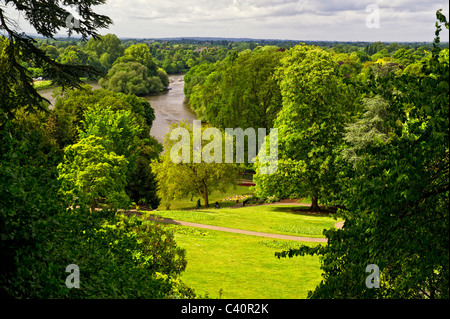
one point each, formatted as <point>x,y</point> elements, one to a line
<point>177,180</point>
<point>366,130</point>
<point>98,166</point>
<point>239,91</point>
<point>131,78</point>
<point>47,18</point>
<point>121,257</point>
<point>315,106</point>
<point>93,175</point>
<point>141,53</point>
<point>68,115</point>
<point>396,200</point>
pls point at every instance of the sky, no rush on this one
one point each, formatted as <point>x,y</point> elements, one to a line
<point>308,20</point>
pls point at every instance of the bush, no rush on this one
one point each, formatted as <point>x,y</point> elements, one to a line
<point>118,257</point>
<point>272,199</point>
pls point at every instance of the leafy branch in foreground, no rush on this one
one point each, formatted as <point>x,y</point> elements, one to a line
<point>47,17</point>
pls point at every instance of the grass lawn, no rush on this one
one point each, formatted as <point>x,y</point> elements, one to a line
<point>279,219</point>
<point>235,266</point>
<point>244,267</point>
<point>286,220</point>
<point>186,203</point>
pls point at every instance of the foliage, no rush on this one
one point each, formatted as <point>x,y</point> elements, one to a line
<point>28,190</point>
<point>117,129</point>
<point>91,174</point>
<point>179,180</point>
<point>396,206</point>
<point>130,77</point>
<point>107,49</point>
<point>119,257</point>
<point>239,91</point>
<point>16,84</point>
<point>68,115</point>
<point>136,72</point>
<point>366,130</point>
<point>316,104</point>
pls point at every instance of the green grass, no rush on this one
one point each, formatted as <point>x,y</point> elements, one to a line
<point>42,85</point>
<point>285,219</point>
<point>236,266</point>
<point>186,203</point>
<point>244,267</point>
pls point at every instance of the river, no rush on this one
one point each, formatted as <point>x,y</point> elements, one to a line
<point>169,106</point>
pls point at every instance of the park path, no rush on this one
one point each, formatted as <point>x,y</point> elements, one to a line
<point>240,231</point>
<point>338,225</point>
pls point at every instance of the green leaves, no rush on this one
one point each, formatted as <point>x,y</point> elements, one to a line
<point>97,167</point>
<point>239,91</point>
<point>394,198</point>
<point>309,125</point>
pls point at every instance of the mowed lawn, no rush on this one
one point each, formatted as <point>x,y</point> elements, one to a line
<point>276,219</point>
<point>237,266</point>
<point>234,266</point>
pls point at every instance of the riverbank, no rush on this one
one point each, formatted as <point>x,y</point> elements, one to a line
<point>169,106</point>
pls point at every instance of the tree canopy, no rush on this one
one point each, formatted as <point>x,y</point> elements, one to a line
<point>179,179</point>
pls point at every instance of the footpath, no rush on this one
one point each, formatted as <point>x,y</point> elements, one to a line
<point>338,225</point>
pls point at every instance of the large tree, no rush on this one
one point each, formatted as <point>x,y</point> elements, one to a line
<point>136,72</point>
<point>240,91</point>
<point>395,200</point>
<point>179,179</point>
<point>310,125</point>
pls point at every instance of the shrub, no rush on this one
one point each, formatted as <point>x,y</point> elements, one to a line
<point>272,199</point>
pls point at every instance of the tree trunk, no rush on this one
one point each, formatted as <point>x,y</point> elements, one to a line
<point>315,205</point>
<point>93,206</point>
<point>206,196</point>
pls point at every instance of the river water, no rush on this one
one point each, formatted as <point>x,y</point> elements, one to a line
<point>169,106</point>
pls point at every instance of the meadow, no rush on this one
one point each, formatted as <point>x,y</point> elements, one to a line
<point>238,266</point>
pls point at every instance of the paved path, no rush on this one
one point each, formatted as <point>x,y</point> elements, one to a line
<point>240,231</point>
<point>338,225</point>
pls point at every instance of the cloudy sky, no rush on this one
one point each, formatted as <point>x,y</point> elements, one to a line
<point>340,20</point>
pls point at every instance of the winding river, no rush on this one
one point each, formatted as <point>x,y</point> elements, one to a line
<point>169,106</point>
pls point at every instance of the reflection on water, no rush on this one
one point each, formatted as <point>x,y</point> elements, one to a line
<point>169,106</point>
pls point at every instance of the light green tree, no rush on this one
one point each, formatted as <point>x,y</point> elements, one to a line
<point>96,169</point>
<point>395,200</point>
<point>93,175</point>
<point>177,180</point>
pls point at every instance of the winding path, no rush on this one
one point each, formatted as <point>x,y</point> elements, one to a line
<point>338,225</point>
<point>240,231</point>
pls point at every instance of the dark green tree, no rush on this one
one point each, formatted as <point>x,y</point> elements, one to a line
<point>47,17</point>
<point>396,200</point>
